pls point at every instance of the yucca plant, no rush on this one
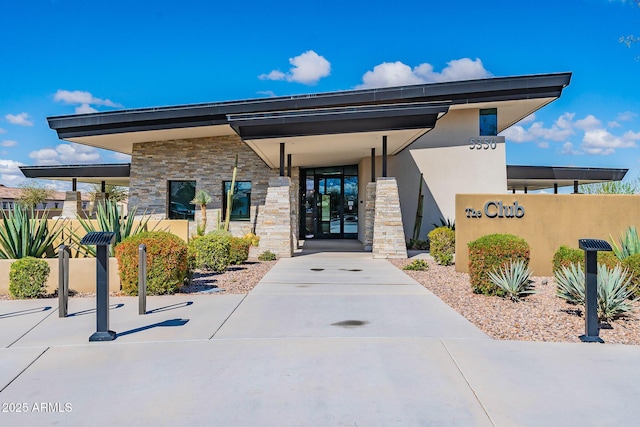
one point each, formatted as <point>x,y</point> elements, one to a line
<point>513,279</point>
<point>614,290</point>
<point>202,199</point>
<point>22,234</point>
<point>109,219</point>
<point>629,244</point>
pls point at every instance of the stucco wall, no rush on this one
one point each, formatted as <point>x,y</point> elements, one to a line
<point>449,167</point>
<point>549,221</point>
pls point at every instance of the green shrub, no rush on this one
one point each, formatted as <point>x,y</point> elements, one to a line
<point>239,250</point>
<point>166,262</point>
<point>632,263</point>
<point>417,265</point>
<point>513,279</point>
<point>267,256</point>
<point>211,251</point>
<point>614,290</point>
<point>566,256</point>
<point>28,278</point>
<point>492,252</point>
<point>442,245</point>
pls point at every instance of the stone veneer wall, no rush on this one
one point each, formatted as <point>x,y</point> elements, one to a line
<point>276,222</point>
<point>388,232</point>
<point>208,161</point>
<point>369,215</point>
<point>72,205</point>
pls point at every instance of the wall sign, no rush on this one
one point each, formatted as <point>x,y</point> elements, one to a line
<point>496,209</point>
<point>483,143</point>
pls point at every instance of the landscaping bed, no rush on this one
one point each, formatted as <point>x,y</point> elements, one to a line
<point>538,317</point>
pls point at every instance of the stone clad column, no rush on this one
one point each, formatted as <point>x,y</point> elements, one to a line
<point>274,225</point>
<point>369,214</point>
<point>72,205</point>
<point>388,231</point>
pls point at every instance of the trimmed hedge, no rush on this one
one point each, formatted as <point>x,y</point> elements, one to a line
<point>211,251</point>
<point>239,250</point>
<point>28,278</point>
<point>565,256</point>
<point>442,241</point>
<point>491,252</point>
<point>632,263</point>
<point>166,262</point>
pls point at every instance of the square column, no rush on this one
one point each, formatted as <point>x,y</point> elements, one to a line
<point>72,206</point>
<point>275,223</point>
<point>388,231</point>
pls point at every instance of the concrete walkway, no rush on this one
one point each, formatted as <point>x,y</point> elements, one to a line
<point>327,339</point>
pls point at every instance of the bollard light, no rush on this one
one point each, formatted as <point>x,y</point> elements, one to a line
<point>102,240</point>
<point>591,325</point>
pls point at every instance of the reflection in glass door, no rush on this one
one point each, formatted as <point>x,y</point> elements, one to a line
<point>330,202</point>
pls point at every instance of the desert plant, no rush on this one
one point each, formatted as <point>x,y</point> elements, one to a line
<point>442,245</point>
<point>33,194</point>
<point>417,244</point>
<point>166,262</point>
<point>115,193</point>
<point>448,223</point>
<point>211,251</point>
<point>417,265</point>
<point>614,290</point>
<point>109,219</point>
<point>239,250</point>
<point>255,240</point>
<point>28,278</point>
<point>629,244</point>
<point>632,263</point>
<point>227,216</point>
<point>22,234</point>
<point>513,279</point>
<point>202,199</point>
<point>267,256</point>
<point>491,252</point>
<point>566,256</point>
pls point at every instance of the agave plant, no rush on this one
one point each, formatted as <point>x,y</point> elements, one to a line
<point>109,219</point>
<point>614,290</point>
<point>629,244</point>
<point>514,279</point>
<point>23,235</point>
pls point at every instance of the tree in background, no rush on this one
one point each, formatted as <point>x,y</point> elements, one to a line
<point>612,187</point>
<point>116,193</point>
<point>32,194</point>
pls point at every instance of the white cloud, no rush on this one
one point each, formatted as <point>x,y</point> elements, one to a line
<point>268,93</point>
<point>66,154</point>
<point>21,119</point>
<point>399,74</point>
<point>8,143</point>
<point>626,116</point>
<point>121,157</point>
<point>543,144</point>
<point>600,141</point>
<point>307,68</point>
<point>10,173</point>
<point>588,123</point>
<point>518,134</point>
<point>613,124</point>
<point>567,148</point>
<point>529,119</point>
<point>84,100</point>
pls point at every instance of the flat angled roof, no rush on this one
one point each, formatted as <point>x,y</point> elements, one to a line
<point>222,113</point>
<point>544,177</point>
<point>113,173</point>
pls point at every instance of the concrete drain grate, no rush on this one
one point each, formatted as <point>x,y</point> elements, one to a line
<point>348,324</point>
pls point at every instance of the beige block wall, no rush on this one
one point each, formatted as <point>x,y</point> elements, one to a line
<point>82,275</point>
<point>549,221</point>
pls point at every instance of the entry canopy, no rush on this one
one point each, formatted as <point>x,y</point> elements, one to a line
<point>544,177</point>
<point>112,174</point>
<point>317,128</point>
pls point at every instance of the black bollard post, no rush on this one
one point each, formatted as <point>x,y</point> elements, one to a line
<point>591,324</point>
<point>63,281</point>
<point>142,279</point>
<point>101,240</point>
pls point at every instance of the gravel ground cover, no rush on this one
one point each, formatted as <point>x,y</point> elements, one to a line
<point>538,317</point>
<point>238,279</point>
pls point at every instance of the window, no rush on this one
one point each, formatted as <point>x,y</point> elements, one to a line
<point>489,122</point>
<point>181,193</point>
<point>241,205</point>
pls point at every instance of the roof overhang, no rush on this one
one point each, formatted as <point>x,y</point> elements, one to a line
<point>112,174</point>
<point>544,177</point>
<point>335,113</point>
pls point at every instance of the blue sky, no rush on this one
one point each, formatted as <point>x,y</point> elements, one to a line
<point>65,56</point>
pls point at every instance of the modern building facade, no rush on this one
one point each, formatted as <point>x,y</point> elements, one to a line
<point>377,165</point>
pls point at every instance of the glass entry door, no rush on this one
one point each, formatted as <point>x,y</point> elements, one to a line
<point>330,202</point>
